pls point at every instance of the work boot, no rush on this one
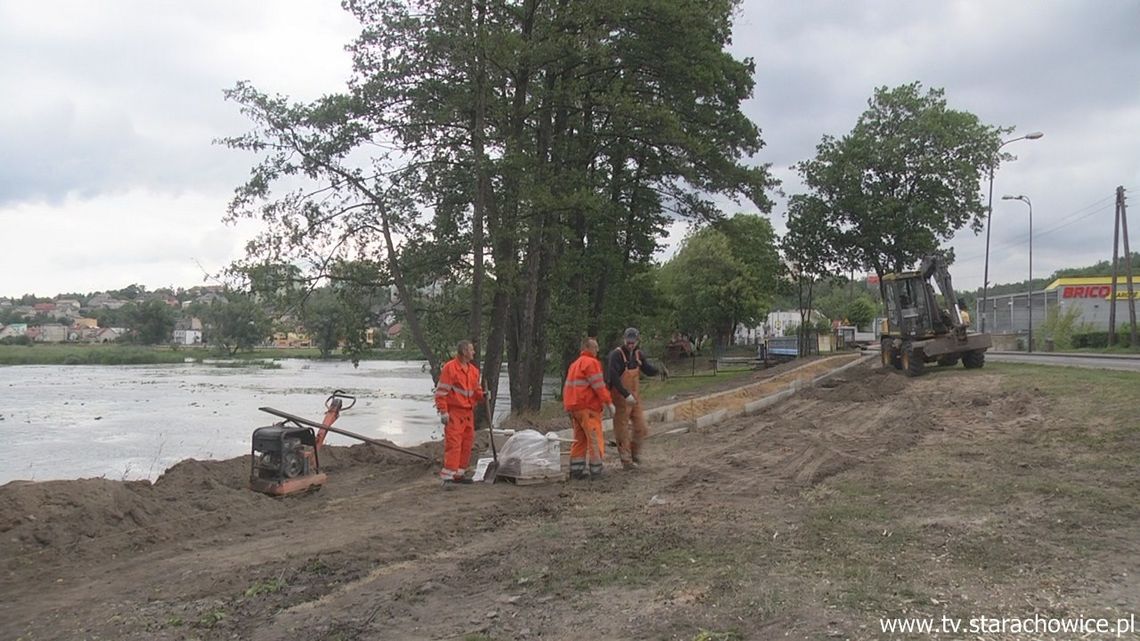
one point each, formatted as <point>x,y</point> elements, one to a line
<point>596,472</point>
<point>629,465</point>
<point>578,475</point>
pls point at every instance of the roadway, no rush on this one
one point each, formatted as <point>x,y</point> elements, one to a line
<point>1091,361</point>
<point>1122,362</point>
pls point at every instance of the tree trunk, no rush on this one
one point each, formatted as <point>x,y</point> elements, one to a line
<point>482,179</point>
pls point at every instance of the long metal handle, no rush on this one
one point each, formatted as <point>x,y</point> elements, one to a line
<point>304,421</point>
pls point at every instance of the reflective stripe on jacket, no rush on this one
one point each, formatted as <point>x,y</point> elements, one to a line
<point>585,388</point>
<point>458,386</point>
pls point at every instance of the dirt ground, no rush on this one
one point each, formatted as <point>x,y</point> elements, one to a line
<point>960,493</point>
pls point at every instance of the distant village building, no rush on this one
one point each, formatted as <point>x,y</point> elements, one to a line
<point>394,341</point>
<point>188,331</point>
<point>52,333</point>
<point>778,323</point>
<point>105,301</point>
<point>14,330</point>
<point>291,339</point>
<point>108,334</point>
<point>68,307</point>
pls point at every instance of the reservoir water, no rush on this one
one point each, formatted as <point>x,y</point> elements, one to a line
<point>132,422</point>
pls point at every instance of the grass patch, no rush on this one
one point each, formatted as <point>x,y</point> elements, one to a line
<point>268,586</point>
<point>64,354</point>
<point>212,618</point>
<point>1029,495</point>
<point>656,389</point>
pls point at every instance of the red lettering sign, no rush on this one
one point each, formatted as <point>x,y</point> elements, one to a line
<point>1091,291</point>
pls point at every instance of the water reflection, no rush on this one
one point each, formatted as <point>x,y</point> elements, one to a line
<point>132,422</point>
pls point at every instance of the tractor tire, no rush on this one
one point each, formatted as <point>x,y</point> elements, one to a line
<point>974,359</point>
<point>912,363</point>
<point>949,360</point>
<point>889,355</point>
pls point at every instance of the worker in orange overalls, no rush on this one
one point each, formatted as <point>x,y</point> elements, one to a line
<point>623,376</point>
<point>585,396</point>
<point>456,396</point>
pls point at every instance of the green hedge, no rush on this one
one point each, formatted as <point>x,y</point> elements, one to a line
<point>1099,339</point>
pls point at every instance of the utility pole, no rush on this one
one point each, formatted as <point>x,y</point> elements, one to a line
<point>1127,268</point>
<point>1115,258</point>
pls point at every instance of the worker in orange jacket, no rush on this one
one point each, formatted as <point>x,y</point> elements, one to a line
<point>625,365</point>
<point>584,396</point>
<point>456,396</point>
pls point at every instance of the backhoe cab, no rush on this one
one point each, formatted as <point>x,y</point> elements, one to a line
<point>920,329</point>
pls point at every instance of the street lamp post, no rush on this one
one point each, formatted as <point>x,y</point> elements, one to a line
<point>1025,199</point>
<point>989,214</point>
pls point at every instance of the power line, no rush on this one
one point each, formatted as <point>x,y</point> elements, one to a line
<point>1025,240</point>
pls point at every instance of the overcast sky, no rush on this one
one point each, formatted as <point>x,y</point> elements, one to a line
<point>108,175</point>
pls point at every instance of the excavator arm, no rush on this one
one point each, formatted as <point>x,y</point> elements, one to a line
<point>934,267</point>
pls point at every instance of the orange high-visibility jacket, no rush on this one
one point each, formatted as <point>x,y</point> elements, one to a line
<point>585,388</point>
<point>458,387</point>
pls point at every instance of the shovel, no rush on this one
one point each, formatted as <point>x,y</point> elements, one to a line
<point>493,467</point>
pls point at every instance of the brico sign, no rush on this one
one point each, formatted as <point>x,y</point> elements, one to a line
<point>1094,291</point>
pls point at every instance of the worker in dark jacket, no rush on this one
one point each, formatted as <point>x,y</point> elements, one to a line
<point>624,367</point>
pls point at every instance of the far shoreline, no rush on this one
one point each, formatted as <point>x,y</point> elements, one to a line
<point>114,354</point>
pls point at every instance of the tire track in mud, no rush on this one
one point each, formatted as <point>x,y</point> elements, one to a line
<point>804,440</point>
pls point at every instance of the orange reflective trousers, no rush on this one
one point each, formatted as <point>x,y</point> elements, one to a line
<point>629,445</point>
<point>589,446</point>
<point>458,436</point>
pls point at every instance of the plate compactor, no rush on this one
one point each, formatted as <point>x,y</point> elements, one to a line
<point>286,457</point>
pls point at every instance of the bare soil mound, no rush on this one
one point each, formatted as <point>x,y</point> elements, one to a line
<point>102,517</point>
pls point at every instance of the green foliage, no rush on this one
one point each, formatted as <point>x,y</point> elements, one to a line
<point>323,317</point>
<point>810,247</point>
<point>211,618</point>
<point>752,240</point>
<point>236,324</point>
<point>268,586</point>
<point>541,152</point>
<point>67,354</point>
<point>822,326</point>
<point>1060,325</point>
<point>712,289</point>
<point>150,323</point>
<point>861,311</point>
<point>1099,340</point>
<point>905,178</point>
<point>1101,268</point>
<point>130,292</point>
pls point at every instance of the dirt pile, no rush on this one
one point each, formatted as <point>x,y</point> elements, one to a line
<point>101,516</point>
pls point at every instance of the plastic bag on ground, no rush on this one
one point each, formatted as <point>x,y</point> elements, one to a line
<point>529,454</point>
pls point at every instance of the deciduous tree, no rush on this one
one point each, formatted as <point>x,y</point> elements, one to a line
<point>905,178</point>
